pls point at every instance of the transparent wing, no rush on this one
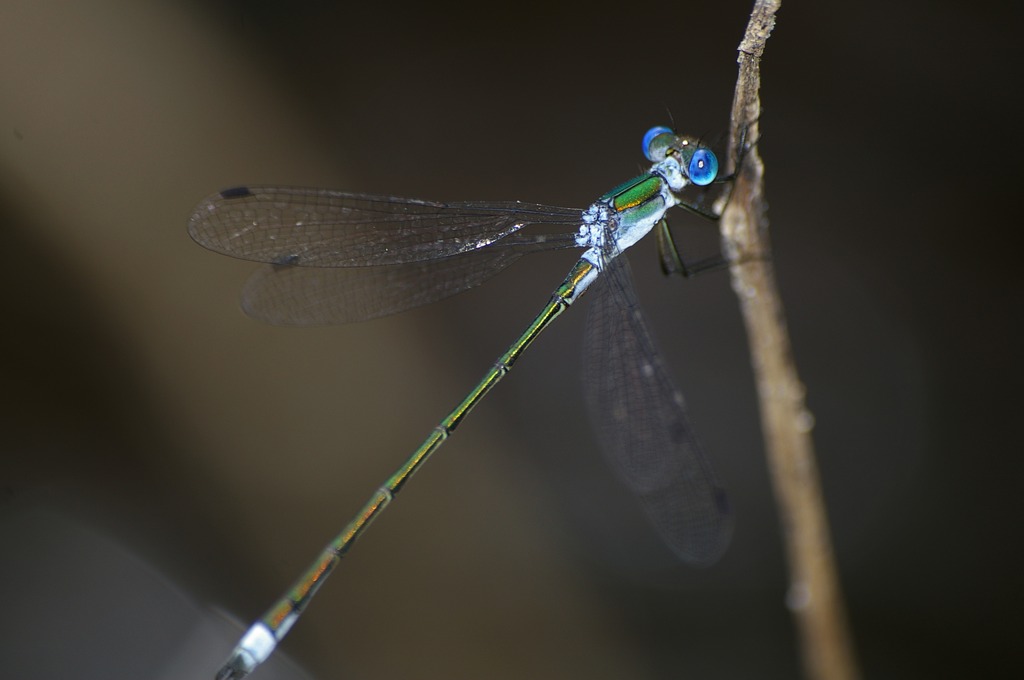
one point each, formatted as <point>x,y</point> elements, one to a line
<point>324,228</point>
<point>305,296</point>
<point>641,422</point>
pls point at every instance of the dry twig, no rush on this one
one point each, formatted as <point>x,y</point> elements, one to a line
<point>814,596</point>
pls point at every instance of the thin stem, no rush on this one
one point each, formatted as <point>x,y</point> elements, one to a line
<point>814,594</point>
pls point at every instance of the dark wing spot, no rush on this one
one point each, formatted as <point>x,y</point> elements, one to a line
<point>236,192</point>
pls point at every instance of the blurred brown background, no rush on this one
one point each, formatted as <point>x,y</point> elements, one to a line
<point>146,421</point>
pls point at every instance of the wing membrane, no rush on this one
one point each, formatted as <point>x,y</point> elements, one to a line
<point>324,228</point>
<point>640,418</point>
<point>305,296</point>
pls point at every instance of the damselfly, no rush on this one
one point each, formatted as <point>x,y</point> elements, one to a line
<point>338,257</point>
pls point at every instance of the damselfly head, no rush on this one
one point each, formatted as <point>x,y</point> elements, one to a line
<point>698,162</point>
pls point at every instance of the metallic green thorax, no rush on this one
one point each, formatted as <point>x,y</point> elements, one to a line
<point>638,200</point>
<point>634,192</point>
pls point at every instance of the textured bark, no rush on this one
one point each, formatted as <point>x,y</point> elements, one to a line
<point>814,594</point>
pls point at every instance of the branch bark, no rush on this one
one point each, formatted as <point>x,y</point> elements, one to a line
<point>814,595</point>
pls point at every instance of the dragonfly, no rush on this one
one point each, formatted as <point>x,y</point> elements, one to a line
<point>334,257</point>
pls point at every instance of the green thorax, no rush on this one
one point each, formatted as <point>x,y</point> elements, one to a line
<point>638,199</point>
<point>634,192</point>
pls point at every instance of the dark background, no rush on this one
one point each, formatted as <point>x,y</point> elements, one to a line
<point>150,427</point>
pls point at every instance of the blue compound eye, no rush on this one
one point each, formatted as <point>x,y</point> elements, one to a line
<point>655,155</point>
<point>703,167</point>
